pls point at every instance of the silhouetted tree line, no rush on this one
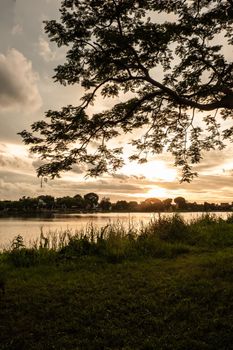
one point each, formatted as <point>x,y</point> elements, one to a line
<point>90,202</point>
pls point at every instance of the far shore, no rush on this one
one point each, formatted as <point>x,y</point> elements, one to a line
<point>54,213</point>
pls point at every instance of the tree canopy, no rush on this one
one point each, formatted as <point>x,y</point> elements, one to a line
<point>166,66</point>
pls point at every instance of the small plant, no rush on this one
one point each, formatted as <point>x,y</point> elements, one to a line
<point>2,281</point>
<point>163,237</point>
<point>229,219</point>
<point>207,219</point>
<point>17,243</point>
<point>20,256</point>
<point>24,257</point>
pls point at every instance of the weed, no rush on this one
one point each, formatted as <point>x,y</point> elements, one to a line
<point>163,237</point>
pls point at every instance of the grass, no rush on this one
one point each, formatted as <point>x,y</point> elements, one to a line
<point>164,286</point>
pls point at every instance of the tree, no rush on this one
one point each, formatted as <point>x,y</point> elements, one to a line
<point>180,202</point>
<point>152,204</point>
<point>167,203</point>
<point>28,204</point>
<point>47,200</point>
<point>91,200</point>
<point>166,57</point>
<point>121,206</point>
<point>133,206</point>
<point>105,204</point>
<point>79,201</point>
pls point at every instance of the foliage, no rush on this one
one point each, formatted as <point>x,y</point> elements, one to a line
<point>46,201</point>
<point>24,257</point>
<point>17,243</point>
<point>172,229</point>
<point>164,237</point>
<point>91,203</point>
<point>161,61</point>
<point>91,200</point>
<point>166,285</point>
<point>148,303</point>
<point>180,202</point>
<point>105,204</point>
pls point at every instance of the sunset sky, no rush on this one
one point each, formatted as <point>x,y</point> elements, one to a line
<point>27,90</point>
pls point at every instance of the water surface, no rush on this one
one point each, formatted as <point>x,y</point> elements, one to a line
<point>31,228</point>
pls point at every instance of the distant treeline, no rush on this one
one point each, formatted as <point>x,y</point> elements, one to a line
<point>91,202</point>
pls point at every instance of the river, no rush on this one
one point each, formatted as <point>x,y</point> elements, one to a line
<point>31,228</point>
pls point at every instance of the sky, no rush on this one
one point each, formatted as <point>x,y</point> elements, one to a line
<point>27,90</point>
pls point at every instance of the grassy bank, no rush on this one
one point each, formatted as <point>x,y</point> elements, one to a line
<point>167,286</point>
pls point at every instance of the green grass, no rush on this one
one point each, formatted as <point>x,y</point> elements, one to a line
<point>170,287</point>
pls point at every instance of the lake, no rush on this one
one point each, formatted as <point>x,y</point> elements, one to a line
<point>31,228</point>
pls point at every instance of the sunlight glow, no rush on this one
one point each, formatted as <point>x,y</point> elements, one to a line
<point>157,192</point>
<point>16,150</point>
<point>154,170</point>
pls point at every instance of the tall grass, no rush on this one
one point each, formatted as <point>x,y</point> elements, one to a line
<point>163,237</point>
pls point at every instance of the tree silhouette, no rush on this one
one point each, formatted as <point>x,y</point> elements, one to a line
<point>152,204</point>
<point>180,202</point>
<point>167,203</point>
<point>79,201</point>
<point>105,204</point>
<point>91,200</point>
<point>163,60</point>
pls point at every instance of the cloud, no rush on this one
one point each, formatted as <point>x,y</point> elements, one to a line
<point>17,29</point>
<point>18,182</point>
<point>15,162</point>
<point>79,169</point>
<point>214,188</point>
<point>124,177</point>
<point>214,161</point>
<point>45,50</point>
<point>37,162</point>
<point>12,162</point>
<point>18,83</point>
<point>22,186</point>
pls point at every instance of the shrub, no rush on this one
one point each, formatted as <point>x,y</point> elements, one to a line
<point>17,243</point>
<point>152,246</point>
<point>170,229</point>
<point>76,247</point>
<point>165,237</point>
<point>229,219</point>
<point>24,257</point>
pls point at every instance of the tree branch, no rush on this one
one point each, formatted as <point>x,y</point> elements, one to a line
<point>225,102</point>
